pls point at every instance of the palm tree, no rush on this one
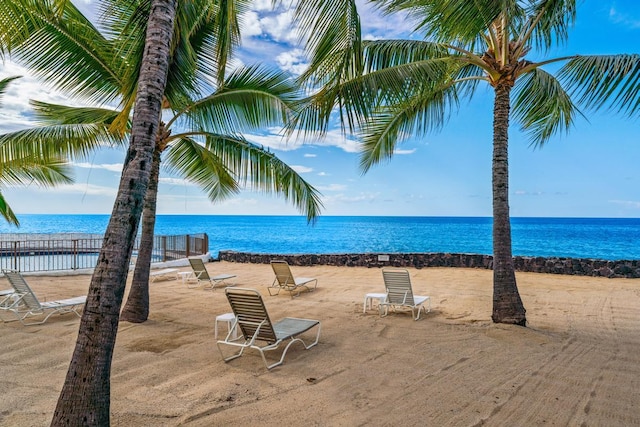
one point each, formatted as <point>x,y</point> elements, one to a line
<point>248,99</point>
<point>21,164</point>
<point>388,90</point>
<point>85,396</point>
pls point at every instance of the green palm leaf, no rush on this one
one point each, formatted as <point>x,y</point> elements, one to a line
<point>250,98</point>
<point>601,80</point>
<point>263,171</point>
<point>197,164</point>
<point>4,83</point>
<point>414,116</point>
<point>542,106</point>
<point>333,31</point>
<point>56,44</point>
<point>7,213</point>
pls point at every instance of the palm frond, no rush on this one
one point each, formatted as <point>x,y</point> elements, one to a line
<point>56,44</point>
<point>125,24</point>
<point>227,37</point>
<point>358,99</point>
<point>263,171</point>
<point>250,98</point>
<point>422,113</point>
<point>197,164</point>
<point>4,83</point>
<point>380,54</point>
<point>334,41</point>
<point>446,21</point>
<point>604,80</point>
<point>549,22</point>
<point>7,213</point>
<point>65,131</point>
<point>542,107</point>
<point>43,168</point>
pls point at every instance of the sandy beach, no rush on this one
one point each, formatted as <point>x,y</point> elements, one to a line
<point>576,364</point>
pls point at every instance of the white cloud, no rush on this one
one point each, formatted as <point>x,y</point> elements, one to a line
<point>113,167</point>
<point>310,155</point>
<point>528,193</point>
<point>78,188</point>
<point>301,169</point>
<point>251,24</point>
<point>376,26</point>
<point>15,111</point>
<point>413,150</point>
<point>342,198</point>
<point>274,140</point>
<point>331,187</point>
<point>293,61</point>
<point>333,138</point>
<point>279,26</point>
<point>262,5</point>
<point>624,19</point>
<point>627,203</point>
<point>173,181</point>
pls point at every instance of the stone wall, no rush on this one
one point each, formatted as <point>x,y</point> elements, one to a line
<point>572,266</point>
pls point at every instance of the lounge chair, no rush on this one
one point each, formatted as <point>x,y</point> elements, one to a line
<point>254,325</point>
<point>163,273</point>
<point>6,296</point>
<point>400,294</point>
<point>201,276</point>
<point>24,304</point>
<point>285,281</point>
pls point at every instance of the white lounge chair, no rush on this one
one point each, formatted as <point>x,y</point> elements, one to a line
<point>254,325</point>
<point>400,293</point>
<point>201,276</point>
<point>163,273</point>
<point>285,281</point>
<point>24,304</point>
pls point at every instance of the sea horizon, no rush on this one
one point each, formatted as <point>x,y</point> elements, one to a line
<point>564,237</point>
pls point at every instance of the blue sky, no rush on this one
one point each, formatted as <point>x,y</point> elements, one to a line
<point>590,172</point>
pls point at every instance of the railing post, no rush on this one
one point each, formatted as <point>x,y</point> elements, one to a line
<point>205,249</point>
<point>15,256</point>
<point>164,248</point>
<point>75,254</point>
<point>186,249</point>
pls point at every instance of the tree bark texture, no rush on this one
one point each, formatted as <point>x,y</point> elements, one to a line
<point>136,309</point>
<point>85,396</point>
<point>507,305</point>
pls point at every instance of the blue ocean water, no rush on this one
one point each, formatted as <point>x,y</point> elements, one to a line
<point>599,238</point>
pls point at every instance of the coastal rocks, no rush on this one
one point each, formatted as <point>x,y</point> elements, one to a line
<point>570,266</point>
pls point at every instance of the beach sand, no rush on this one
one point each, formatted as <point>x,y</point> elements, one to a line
<point>576,364</point>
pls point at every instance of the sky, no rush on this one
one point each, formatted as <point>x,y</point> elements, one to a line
<point>592,171</point>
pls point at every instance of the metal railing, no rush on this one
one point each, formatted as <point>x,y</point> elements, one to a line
<point>74,251</point>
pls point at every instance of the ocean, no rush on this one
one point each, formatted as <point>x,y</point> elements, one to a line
<point>597,238</point>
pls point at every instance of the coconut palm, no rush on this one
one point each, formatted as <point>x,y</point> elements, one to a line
<point>85,395</point>
<point>22,164</point>
<point>388,90</point>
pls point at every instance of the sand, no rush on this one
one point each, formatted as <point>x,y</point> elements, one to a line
<point>576,364</point>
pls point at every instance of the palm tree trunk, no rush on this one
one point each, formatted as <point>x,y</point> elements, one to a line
<point>136,309</point>
<point>85,396</point>
<point>507,305</point>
